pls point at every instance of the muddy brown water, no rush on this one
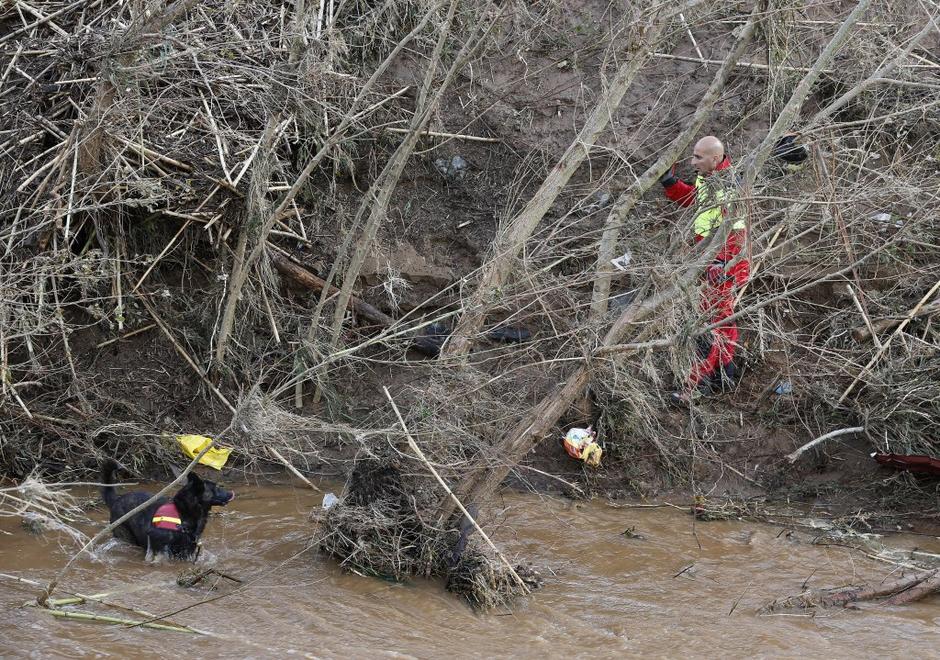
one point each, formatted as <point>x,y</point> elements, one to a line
<point>606,595</point>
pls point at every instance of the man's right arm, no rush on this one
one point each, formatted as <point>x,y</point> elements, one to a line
<point>676,189</point>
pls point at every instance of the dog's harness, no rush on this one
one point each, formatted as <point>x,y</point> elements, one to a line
<point>167,517</point>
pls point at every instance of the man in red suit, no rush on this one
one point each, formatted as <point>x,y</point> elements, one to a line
<point>724,276</point>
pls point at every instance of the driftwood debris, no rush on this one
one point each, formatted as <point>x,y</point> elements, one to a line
<point>120,621</point>
<point>305,278</point>
<point>467,515</point>
<point>900,592</point>
<point>907,319</point>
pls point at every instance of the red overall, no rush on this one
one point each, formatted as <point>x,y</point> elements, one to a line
<point>722,281</point>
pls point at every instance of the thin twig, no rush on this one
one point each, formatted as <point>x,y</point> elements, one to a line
<point>294,470</point>
<point>455,136</point>
<point>746,65</point>
<point>126,335</point>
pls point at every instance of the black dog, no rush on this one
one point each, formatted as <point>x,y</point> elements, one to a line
<point>168,526</point>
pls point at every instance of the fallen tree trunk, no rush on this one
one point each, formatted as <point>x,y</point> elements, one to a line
<point>915,590</point>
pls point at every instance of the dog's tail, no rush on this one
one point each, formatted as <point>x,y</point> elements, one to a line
<point>108,467</point>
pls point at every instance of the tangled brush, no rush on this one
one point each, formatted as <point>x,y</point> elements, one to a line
<point>42,507</point>
<point>384,527</point>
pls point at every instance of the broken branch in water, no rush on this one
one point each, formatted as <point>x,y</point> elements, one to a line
<point>100,618</point>
<point>193,576</point>
<point>901,592</point>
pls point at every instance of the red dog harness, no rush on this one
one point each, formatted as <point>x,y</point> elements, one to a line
<point>167,517</point>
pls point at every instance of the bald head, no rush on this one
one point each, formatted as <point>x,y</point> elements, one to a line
<point>707,154</point>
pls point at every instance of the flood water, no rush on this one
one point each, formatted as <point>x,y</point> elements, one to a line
<point>606,595</point>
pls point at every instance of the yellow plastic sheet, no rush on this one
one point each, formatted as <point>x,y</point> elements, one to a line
<point>193,444</point>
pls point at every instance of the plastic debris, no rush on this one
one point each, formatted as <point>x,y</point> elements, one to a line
<point>581,444</point>
<point>790,152</point>
<point>329,500</point>
<point>452,169</point>
<point>432,339</point>
<point>621,262</point>
<point>193,444</point>
<point>599,200</point>
<point>784,387</point>
<point>887,219</point>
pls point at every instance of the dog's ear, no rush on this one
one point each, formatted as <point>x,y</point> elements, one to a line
<point>195,483</point>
